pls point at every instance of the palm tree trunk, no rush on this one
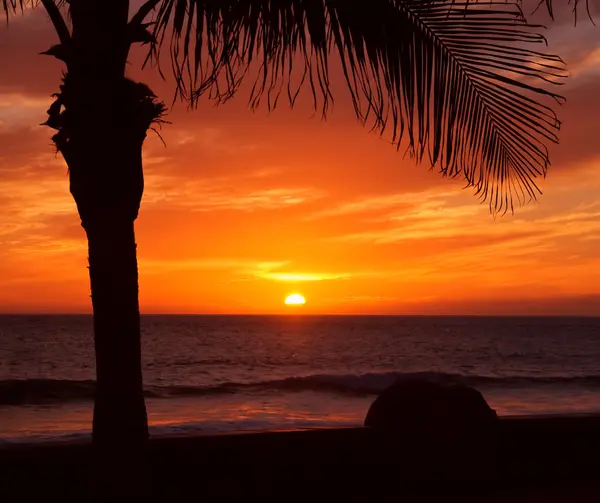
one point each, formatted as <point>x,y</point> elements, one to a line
<point>120,425</point>
<point>119,411</point>
<point>107,184</point>
<point>103,149</point>
<point>102,119</point>
<point>101,133</point>
<point>106,179</point>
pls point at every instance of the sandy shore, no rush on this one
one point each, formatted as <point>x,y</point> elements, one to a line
<point>537,459</point>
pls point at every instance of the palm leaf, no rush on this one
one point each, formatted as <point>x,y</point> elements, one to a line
<point>12,6</point>
<point>52,7</point>
<point>549,5</point>
<point>458,80</point>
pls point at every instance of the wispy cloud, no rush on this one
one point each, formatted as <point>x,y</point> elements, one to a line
<point>213,139</point>
<point>222,193</point>
<point>237,265</point>
<point>245,269</point>
<point>379,203</point>
<point>303,276</point>
<point>442,215</point>
<point>29,208</point>
<point>20,110</point>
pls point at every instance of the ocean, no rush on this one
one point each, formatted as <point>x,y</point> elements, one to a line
<point>220,373</point>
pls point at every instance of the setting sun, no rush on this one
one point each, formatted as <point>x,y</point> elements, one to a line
<point>295,299</point>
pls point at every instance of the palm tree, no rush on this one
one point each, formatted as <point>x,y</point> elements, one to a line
<point>457,81</point>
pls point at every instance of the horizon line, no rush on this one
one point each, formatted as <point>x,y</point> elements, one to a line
<point>296,315</point>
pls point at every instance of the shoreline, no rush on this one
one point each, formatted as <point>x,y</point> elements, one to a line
<point>506,424</point>
<point>17,443</point>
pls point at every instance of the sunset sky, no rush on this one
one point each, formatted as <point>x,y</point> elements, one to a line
<point>242,209</point>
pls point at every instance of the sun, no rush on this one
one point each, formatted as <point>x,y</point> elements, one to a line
<point>295,299</point>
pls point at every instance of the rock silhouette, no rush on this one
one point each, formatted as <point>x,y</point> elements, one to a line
<point>437,429</point>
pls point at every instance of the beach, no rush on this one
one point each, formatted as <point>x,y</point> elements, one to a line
<point>537,459</point>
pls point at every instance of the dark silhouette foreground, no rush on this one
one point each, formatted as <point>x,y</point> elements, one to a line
<point>448,428</point>
<point>541,460</point>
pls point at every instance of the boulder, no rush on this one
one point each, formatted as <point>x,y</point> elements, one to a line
<point>439,429</point>
<point>419,402</point>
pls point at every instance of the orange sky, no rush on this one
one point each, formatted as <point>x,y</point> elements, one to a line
<point>243,208</point>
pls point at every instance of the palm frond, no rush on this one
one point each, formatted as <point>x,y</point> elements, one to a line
<point>12,6</point>
<point>459,80</point>
<point>549,6</point>
<point>52,7</point>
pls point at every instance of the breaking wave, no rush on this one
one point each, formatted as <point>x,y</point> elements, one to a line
<point>35,391</point>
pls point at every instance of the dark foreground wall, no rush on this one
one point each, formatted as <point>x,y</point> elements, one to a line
<point>555,457</point>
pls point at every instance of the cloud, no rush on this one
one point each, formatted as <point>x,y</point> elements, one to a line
<point>267,172</point>
<point>23,101</point>
<point>214,139</point>
<point>431,215</point>
<point>237,265</point>
<point>588,65</point>
<point>515,305</point>
<point>21,111</point>
<point>28,208</point>
<point>294,277</point>
<point>246,269</point>
<point>378,203</point>
<point>221,194</point>
<point>22,39</point>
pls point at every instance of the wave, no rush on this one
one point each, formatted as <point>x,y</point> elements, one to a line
<point>23,391</point>
<point>36,391</point>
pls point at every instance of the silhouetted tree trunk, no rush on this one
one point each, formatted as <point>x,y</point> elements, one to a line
<point>102,119</point>
<point>120,427</point>
<point>107,184</point>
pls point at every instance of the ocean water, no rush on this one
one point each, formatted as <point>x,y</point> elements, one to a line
<point>215,373</point>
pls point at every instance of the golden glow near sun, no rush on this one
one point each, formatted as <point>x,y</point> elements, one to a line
<point>295,299</point>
